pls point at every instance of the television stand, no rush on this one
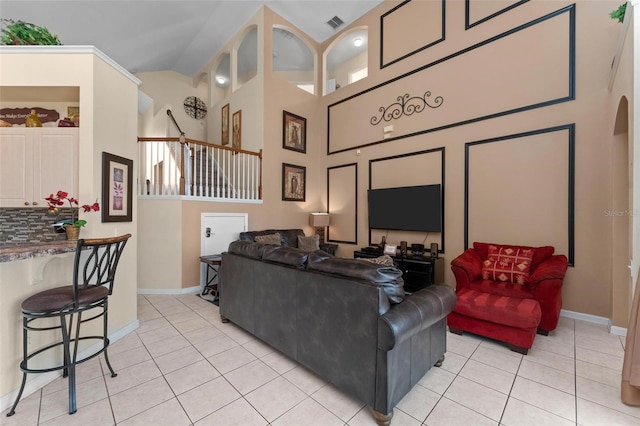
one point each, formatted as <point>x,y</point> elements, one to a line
<point>418,272</point>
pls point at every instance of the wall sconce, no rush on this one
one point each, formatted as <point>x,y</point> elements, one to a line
<point>319,221</point>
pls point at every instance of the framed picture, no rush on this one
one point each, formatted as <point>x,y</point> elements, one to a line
<point>237,129</point>
<point>117,188</point>
<point>294,132</point>
<point>225,124</point>
<point>293,182</point>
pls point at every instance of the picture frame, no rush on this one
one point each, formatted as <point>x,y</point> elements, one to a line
<point>224,120</point>
<point>294,132</point>
<point>237,129</point>
<point>117,188</point>
<point>294,181</point>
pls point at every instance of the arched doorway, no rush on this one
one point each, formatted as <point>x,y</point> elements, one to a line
<point>621,215</point>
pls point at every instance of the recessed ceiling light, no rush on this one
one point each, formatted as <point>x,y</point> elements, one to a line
<point>221,80</point>
<point>357,42</point>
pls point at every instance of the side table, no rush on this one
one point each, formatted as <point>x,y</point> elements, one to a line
<point>213,262</point>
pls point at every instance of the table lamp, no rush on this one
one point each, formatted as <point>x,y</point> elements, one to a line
<point>319,221</point>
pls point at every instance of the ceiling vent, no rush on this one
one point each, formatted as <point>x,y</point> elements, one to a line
<point>335,22</point>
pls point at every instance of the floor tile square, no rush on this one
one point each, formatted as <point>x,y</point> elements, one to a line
<point>548,376</point>
<point>306,380</point>
<point>544,397</point>
<point>191,376</point>
<point>178,359</point>
<point>336,401</point>
<point>207,398</point>
<point>492,377</point>
<point>309,413</point>
<point>450,413</point>
<point>231,359</point>
<point>131,376</point>
<point>140,398</point>
<point>437,380</point>
<point>592,414</point>
<point>486,401</point>
<point>250,376</point>
<point>168,413</point>
<point>57,403</point>
<point>519,413</point>
<point>95,414</point>
<point>275,398</point>
<point>238,413</point>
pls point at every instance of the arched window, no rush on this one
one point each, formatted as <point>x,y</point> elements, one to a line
<point>293,60</point>
<point>248,57</point>
<point>346,60</point>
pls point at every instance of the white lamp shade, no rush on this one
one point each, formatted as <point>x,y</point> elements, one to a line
<point>319,219</point>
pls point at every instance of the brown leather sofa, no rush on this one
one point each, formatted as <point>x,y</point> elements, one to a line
<point>347,320</point>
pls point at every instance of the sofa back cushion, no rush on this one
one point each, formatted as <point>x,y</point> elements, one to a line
<point>247,249</point>
<point>288,237</point>
<point>389,278</point>
<point>286,255</point>
<point>540,254</point>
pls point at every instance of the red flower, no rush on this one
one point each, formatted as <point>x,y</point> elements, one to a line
<point>58,200</point>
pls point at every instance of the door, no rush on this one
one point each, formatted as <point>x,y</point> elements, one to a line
<point>218,231</point>
<point>16,174</point>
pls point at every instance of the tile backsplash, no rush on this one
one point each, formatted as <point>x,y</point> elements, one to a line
<point>21,225</point>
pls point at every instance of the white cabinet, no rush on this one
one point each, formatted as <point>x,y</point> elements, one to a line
<point>36,162</point>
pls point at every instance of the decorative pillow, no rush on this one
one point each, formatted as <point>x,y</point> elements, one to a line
<point>268,239</point>
<point>385,260</point>
<point>311,243</point>
<point>507,264</point>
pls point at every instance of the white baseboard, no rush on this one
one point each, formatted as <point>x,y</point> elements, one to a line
<point>187,290</point>
<point>618,331</point>
<point>37,381</point>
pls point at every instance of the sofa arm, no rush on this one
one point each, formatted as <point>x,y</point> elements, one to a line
<point>416,313</point>
<point>552,268</point>
<point>546,282</point>
<point>467,268</point>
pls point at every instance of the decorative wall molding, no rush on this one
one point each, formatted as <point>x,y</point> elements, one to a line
<point>384,64</point>
<point>441,151</point>
<point>564,93</point>
<point>354,199</point>
<point>406,105</point>
<point>467,13</point>
<point>570,129</point>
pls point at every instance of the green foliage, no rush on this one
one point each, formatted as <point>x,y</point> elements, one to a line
<point>24,33</point>
<point>619,12</point>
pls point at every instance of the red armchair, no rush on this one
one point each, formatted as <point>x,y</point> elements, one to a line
<point>508,293</point>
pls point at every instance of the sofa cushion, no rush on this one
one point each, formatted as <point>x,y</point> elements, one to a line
<point>310,243</point>
<point>317,256</point>
<point>385,260</point>
<point>514,312</point>
<point>288,237</point>
<point>389,278</point>
<point>507,264</point>
<point>287,255</point>
<point>273,239</point>
<point>247,249</point>
<point>540,254</point>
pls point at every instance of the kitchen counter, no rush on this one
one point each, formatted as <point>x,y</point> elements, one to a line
<point>18,251</point>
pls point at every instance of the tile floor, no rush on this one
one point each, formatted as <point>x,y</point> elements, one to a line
<point>184,367</point>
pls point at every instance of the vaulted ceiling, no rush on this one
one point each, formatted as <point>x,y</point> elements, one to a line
<point>178,35</point>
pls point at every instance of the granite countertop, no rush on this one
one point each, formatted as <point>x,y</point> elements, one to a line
<point>18,251</point>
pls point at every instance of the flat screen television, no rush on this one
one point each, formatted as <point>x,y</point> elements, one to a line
<point>410,208</point>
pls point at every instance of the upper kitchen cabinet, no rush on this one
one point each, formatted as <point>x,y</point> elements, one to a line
<point>36,162</point>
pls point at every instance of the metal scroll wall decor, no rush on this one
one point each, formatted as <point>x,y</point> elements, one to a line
<point>407,106</point>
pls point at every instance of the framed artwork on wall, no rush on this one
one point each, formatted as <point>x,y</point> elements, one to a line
<point>117,188</point>
<point>237,129</point>
<point>293,182</point>
<point>294,132</point>
<point>224,115</point>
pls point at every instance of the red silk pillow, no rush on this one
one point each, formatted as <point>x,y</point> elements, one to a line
<point>507,264</point>
<point>540,254</point>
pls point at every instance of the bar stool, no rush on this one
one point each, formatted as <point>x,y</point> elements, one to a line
<point>94,272</point>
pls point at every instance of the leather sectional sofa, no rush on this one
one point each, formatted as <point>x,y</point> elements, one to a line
<point>347,320</point>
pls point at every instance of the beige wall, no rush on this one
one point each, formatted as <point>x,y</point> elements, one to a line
<point>108,95</point>
<point>588,286</point>
<point>168,89</point>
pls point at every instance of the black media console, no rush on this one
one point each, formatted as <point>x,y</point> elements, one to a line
<point>417,271</point>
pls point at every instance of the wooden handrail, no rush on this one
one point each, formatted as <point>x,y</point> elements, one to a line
<point>197,142</point>
<point>175,123</point>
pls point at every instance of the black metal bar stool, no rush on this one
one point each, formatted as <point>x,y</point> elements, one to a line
<point>94,272</point>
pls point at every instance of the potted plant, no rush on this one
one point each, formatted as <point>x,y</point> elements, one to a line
<point>619,12</point>
<point>72,226</point>
<point>24,33</point>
